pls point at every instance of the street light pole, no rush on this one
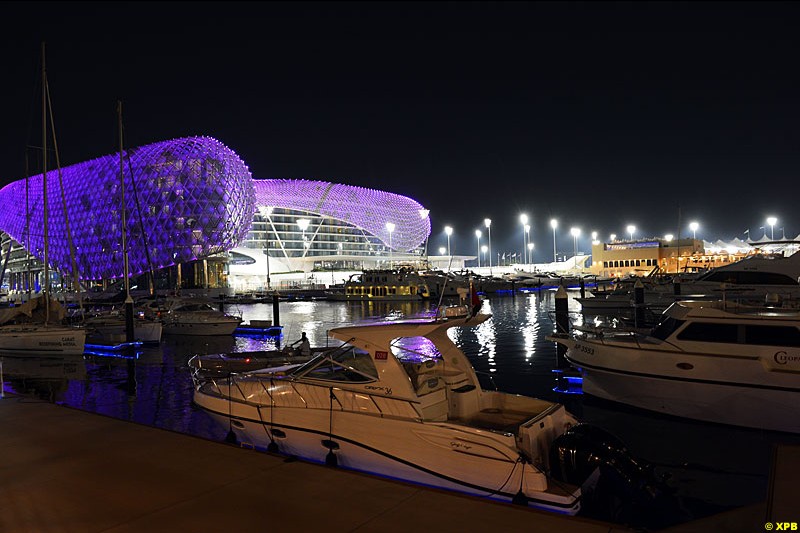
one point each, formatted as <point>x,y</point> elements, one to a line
<point>554,225</point>
<point>449,231</point>
<point>478,236</point>
<point>488,223</point>
<point>390,227</point>
<point>772,221</point>
<point>693,226</point>
<point>575,232</point>
<point>523,218</point>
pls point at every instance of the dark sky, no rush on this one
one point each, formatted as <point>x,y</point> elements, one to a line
<point>598,114</point>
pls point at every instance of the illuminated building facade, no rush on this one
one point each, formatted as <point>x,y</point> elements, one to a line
<point>189,202</point>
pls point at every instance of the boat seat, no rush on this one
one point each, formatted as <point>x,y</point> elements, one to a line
<point>424,367</point>
<point>426,384</point>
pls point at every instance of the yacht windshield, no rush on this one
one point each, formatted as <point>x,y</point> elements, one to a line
<point>666,327</point>
<point>345,363</point>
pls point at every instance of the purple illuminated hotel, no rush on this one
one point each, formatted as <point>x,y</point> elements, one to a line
<point>193,209</point>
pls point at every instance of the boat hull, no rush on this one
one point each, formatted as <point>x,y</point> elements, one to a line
<point>39,339</point>
<point>203,328</point>
<point>442,455</point>
<point>738,390</point>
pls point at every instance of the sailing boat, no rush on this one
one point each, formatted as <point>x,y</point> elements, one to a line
<point>126,328</point>
<point>37,335</point>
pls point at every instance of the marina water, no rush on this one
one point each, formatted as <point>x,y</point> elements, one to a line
<point>710,467</point>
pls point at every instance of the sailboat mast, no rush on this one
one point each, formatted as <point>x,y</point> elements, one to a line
<point>129,333</point>
<point>46,288</point>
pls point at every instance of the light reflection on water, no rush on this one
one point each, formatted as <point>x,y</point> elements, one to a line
<point>716,464</point>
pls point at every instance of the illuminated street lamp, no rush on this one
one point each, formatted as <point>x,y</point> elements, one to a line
<point>530,252</point>
<point>448,231</point>
<point>631,229</point>
<point>575,232</point>
<point>527,229</point>
<point>478,236</point>
<point>484,249</point>
<point>594,238</point>
<point>772,221</point>
<point>554,225</point>
<point>488,223</point>
<point>303,224</point>
<point>523,219</point>
<point>442,250</point>
<point>668,237</point>
<point>613,237</point>
<point>693,226</point>
<point>390,228</point>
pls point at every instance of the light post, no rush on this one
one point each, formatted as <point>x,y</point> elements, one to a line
<point>448,231</point>
<point>530,254</point>
<point>554,225</point>
<point>613,237</point>
<point>594,238</point>
<point>303,224</point>
<point>390,228</point>
<point>484,249</point>
<point>693,226</point>
<point>575,232</point>
<point>772,221</point>
<point>478,236</point>
<point>631,229</point>
<point>488,223</point>
<point>442,250</point>
<point>527,241</point>
<point>523,218</point>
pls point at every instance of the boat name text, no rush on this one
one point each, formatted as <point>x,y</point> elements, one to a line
<point>783,358</point>
<point>386,390</point>
<point>584,349</point>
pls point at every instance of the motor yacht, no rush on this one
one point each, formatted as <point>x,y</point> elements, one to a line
<point>399,399</point>
<point>714,361</point>
<point>396,284</point>
<point>189,316</point>
<point>109,327</point>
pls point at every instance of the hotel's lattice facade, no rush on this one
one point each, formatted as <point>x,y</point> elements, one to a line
<point>190,202</point>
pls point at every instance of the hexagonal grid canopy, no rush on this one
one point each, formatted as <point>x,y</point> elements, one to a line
<point>368,209</point>
<point>191,198</point>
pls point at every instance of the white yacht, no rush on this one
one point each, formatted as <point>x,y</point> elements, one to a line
<point>396,284</point>
<point>110,328</point>
<point>189,316</point>
<point>399,399</point>
<point>713,361</point>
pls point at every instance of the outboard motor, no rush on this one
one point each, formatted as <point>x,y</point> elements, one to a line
<point>616,486</point>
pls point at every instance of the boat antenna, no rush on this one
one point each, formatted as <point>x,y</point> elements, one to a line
<point>124,231</point>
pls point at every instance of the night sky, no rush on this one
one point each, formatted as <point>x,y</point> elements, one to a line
<point>597,114</point>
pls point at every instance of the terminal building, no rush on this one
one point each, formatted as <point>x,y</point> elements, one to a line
<point>640,257</point>
<point>192,212</point>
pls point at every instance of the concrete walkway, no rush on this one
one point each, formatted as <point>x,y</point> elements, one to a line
<point>64,470</point>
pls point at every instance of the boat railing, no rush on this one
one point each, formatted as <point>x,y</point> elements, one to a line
<point>347,400</point>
